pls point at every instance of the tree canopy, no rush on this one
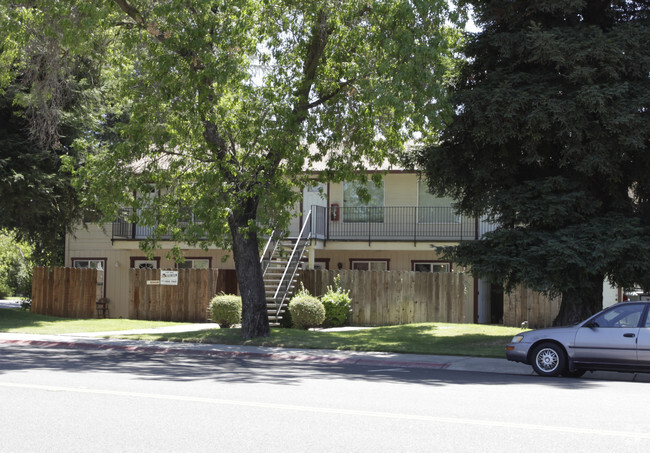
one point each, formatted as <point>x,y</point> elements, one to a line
<point>41,89</point>
<point>550,141</point>
<point>222,106</point>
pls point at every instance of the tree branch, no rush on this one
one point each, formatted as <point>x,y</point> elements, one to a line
<point>139,19</point>
<point>315,50</point>
<point>326,97</point>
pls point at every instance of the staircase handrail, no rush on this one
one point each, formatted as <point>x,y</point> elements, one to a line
<point>265,263</point>
<point>291,260</point>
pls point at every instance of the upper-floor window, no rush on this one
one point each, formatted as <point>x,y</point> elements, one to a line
<point>358,210</point>
<point>432,209</point>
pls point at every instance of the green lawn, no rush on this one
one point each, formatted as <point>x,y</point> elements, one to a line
<point>428,338</point>
<point>20,321</point>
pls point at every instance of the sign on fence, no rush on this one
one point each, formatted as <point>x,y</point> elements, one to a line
<point>169,278</point>
<point>179,295</point>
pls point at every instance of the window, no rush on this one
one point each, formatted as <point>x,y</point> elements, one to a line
<point>431,266</point>
<point>94,263</point>
<point>369,265</point>
<point>623,315</point>
<point>195,263</point>
<point>432,209</point>
<point>356,209</point>
<point>143,263</point>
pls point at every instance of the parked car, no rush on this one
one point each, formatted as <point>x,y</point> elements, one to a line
<point>617,338</point>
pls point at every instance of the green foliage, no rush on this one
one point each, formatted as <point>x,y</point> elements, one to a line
<point>15,266</point>
<point>26,304</point>
<point>45,89</point>
<point>337,303</point>
<point>286,320</point>
<point>225,310</point>
<point>5,291</point>
<point>222,105</point>
<point>306,311</point>
<point>550,141</point>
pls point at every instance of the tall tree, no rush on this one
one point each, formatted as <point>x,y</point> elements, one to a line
<point>229,102</point>
<point>550,141</point>
<point>41,91</point>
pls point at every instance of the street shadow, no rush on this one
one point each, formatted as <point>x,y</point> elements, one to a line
<point>183,367</point>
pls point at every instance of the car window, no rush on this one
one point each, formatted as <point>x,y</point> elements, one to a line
<point>647,320</point>
<point>623,315</point>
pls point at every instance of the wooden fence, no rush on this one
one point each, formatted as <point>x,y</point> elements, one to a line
<point>524,304</point>
<point>64,292</point>
<point>400,297</point>
<point>185,302</point>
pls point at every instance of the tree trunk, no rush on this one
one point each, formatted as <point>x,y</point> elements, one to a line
<point>255,321</point>
<point>581,302</point>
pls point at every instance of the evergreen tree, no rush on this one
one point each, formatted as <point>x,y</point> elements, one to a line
<point>550,141</point>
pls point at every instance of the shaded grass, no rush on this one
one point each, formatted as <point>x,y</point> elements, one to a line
<point>20,321</point>
<point>427,338</point>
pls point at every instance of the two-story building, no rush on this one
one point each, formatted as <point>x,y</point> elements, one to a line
<point>396,228</point>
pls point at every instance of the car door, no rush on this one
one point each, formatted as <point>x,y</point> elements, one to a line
<point>643,342</point>
<point>611,337</point>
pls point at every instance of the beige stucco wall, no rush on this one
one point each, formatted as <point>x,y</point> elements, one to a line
<point>94,243</point>
<point>397,259</point>
<point>400,189</point>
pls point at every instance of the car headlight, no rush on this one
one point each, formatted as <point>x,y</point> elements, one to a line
<point>517,338</point>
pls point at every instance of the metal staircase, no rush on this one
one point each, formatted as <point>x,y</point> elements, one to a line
<point>280,261</point>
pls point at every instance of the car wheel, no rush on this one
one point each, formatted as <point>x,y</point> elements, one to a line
<point>573,374</point>
<point>549,359</point>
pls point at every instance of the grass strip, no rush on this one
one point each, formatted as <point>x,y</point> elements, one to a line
<point>426,338</point>
<point>21,321</point>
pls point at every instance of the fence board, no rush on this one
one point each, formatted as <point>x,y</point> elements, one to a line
<point>186,302</point>
<point>64,292</point>
<point>523,304</point>
<point>399,297</point>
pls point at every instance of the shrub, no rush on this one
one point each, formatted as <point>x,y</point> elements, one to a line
<point>286,321</point>
<point>225,310</point>
<point>5,291</point>
<point>337,305</point>
<point>306,311</point>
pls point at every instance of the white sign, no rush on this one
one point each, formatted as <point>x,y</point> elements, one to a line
<point>169,277</point>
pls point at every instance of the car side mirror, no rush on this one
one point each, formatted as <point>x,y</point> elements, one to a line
<point>592,324</point>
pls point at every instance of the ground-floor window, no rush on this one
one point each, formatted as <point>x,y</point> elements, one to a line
<point>195,263</point>
<point>143,263</point>
<point>94,263</point>
<point>431,266</point>
<point>369,265</point>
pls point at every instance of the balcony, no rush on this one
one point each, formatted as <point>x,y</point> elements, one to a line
<point>123,229</point>
<point>396,223</point>
<point>372,224</point>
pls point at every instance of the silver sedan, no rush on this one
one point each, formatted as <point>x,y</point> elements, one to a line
<point>617,338</point>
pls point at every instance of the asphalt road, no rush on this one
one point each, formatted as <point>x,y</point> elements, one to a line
<point>61,400</point>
